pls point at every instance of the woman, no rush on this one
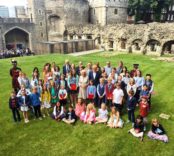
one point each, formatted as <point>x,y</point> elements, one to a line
<point>73,81</point>
<point>47,73</point>
<point>83,83</point>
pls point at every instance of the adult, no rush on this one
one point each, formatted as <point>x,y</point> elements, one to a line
<point>66,68</point>
<point>14,73</point>
<point>134,70</point>
<point>47,74</point>
<point>79,68</point>
<point>120,67</point>
<point>83,83</point>
<point>108,68</point>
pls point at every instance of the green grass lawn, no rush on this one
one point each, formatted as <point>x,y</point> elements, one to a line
<point>50,138</point>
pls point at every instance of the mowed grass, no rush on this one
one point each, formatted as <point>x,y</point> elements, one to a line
<point>50,138</point>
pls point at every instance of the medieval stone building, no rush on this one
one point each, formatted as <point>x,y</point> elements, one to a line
<point>66,26</point>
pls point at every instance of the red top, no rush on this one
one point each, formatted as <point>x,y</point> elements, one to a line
<point>144,109</point>
<point>109,91</point>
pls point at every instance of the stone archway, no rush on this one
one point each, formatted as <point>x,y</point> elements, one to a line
<point>152,45</point>
<point>17,38</point>
<point>137,44</point>
<point>168,47</point>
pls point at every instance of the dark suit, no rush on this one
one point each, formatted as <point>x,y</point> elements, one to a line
<point>96,80</point>
<point>65,70</point>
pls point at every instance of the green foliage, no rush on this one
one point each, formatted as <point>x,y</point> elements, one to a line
<point>142,9</point>
<point>49,138</point>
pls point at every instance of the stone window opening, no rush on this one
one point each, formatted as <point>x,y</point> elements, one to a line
<point>115,11</point>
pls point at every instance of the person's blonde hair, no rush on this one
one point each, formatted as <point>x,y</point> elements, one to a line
<point>155,120</point>
<point>90,106</point>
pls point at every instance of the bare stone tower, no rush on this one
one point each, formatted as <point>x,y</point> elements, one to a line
<point>106,12</point>
<point>37,14</point>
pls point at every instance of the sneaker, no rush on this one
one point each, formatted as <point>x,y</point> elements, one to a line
<point>26,121</point>
<point>40,118</point>
<point>44,116</point>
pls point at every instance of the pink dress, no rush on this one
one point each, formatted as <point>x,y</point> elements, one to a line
<point>90,117</point>
<point>80,111</point>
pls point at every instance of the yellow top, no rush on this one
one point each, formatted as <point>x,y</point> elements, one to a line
<point>46,96</point>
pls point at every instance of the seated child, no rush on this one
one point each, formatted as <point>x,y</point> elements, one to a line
<point>91,91</point>
<point>115,121</point>
<point>62,94</point>
<point>157,132</point>
<point>138,128</point>
<point>80,109</point>
<point>70,116</point>
<point>14,106</point>
<point>103,114</point>
<point>24,102</point>
<point>45,99</point>
<point>90,114</point>
<point>58,112</point>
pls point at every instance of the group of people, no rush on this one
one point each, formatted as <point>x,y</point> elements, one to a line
<point>15,53</point>
<point>91,93</point>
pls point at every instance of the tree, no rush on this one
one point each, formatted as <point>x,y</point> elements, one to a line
<point>143,9</point>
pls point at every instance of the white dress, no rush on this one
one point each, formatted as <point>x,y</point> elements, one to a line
<point>113,120</point>
<point>82,91</point>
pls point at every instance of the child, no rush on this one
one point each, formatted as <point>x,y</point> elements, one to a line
<point>115,121</point>
<point>45,99</point>
<point>131,86</point>
<point>63,81</point>
<point>39,87</point>
<point>101,92</point>
<point>131,105</point>
<point>35,101</point>
<point>24,102</point>
<point>109,88</point>
<point>80,109</point>
<point>70,116</point>
<point>103,114</point>
<point>144,92</point>
<point>26,81</point>
<point>58,112</point>
<point>62,96</point>
<point>157,132</point>
<point>118,97</point>
<point>90,114</point>
<point>138,128</point>
<point>144,109</point>
<point>14,106</point>
<point>91,91</point>
<point>53,92</point>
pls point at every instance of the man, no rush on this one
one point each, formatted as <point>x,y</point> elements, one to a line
<point>79,67</point>
<point>66,68</point>
<point>94,75</point>
<point>108,68</point>
<point>133,72</point>
<point>14,73</point>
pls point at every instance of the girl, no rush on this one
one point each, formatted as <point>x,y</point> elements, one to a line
<point>58,112</point>
<point>131,86</point>
<point>126,78</point>
<point>109,88</point>
<point>103,114</point>
<point>47,73</point>
<point>53,92</point>
<point>139,81</point>
<point>90,114</point>
<point>80,109</point>
<point>73,81</point>
<point>45,99</point>
<point>138,128</point>
<point>62,96</point>
<point>83,83</point>
<point>91,91</point>
<point>124,71</point>
<point>70,116</point>
<point>27,91</point>
<point>63,81</point>
<point>35,79</point>
<point>26,81</point>
<point>157,132</point>
<point>24,102</point>
<point>39,87</point>
<point>56,73</point>
<point>101,92</point>
<point>115,121</point>
<point>20,79</point>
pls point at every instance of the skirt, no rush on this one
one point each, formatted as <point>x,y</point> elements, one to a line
<point>46,105</point>
<point>120,123</point>
<point>24,108</point>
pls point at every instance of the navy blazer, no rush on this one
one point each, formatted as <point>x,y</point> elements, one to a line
<point>27,100</point>
<point>131,103</point>
<point>97,78</point>
<point>65,70</point>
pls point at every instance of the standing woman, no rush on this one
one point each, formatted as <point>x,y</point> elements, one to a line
<point>73,81</point>
<point>47,74</point>
<point>83,83</point>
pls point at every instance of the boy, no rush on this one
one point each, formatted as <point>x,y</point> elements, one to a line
<point>14,106</point>
<point>35,101</point>
<point>101,92</point>
<point>118,97</point>
<point>109,88</point>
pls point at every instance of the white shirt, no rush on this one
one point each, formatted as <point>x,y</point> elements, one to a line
<point>117,96</point>
<point>103,113</point>
<point>94,75</point>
